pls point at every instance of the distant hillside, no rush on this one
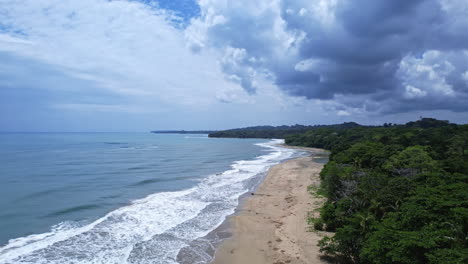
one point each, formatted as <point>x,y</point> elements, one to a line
<point>275,131</point>
<point>183,131</point>
<point>429,123</point>
<point>284,131</point>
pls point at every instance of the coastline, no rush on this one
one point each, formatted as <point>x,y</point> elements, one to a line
<point>271,226</point>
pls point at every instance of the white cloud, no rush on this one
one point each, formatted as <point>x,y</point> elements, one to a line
<point>324,11</point>
<point>250,36</point>
<point>324,48</point>
<point>302,12</point>
<point>129,59</point>
<point>343,113</point>
<point>427,75</point>
<point>320,12</point>
<point>5,40</point>
<point>313,65</point>
<point>465,77</point>
<point>123,46</point>
<point>98,108</point>
<point>413,92</point>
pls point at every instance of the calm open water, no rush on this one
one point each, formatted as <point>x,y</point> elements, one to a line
<point>121,197</point>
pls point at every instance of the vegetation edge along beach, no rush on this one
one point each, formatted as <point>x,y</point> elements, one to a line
<point>392,193</point>
<point>271,223</point>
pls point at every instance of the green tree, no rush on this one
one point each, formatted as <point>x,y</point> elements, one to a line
<point>363,155</point>
<point>430,227</point>
<point>411,161</point>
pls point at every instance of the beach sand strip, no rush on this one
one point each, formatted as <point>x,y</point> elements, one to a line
<point>271,226</point>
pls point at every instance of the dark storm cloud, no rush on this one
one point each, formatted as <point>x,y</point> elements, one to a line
<point>402,55</point>
<point>368,42</point>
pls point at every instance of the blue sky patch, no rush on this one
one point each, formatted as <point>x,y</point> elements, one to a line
<point>186,9</point>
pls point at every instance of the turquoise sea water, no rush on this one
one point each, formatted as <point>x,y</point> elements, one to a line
<point>121,197</point>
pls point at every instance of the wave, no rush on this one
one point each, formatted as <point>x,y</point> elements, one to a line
<point>149,230</point>
<point>151,181</point>
<point>74,209</point>
<point>39,194</point>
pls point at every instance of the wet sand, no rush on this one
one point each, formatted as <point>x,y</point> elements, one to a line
<point>272,224</point>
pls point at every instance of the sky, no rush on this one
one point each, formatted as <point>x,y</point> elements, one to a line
<point>140,65</point>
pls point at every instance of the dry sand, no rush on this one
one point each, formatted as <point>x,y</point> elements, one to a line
<point>271,227</point>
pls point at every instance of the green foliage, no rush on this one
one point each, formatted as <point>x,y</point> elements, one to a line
<point>428,123</point>
<point>363,155</point>
<point>395,194</point>
<point>414,158</point>
<point>317,223</point>
<point>276,132</point>
<point>430,227</point>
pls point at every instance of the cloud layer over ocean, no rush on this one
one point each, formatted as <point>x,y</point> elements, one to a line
<point>96,61</point>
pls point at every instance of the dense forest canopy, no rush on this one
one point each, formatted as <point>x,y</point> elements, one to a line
<point>395,193</point>
<point>275,132</point>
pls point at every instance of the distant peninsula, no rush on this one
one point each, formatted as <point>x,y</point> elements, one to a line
<point>277,131</point>
<point>183,131</point>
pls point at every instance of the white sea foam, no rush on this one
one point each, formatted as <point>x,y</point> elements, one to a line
<point>149,230</point>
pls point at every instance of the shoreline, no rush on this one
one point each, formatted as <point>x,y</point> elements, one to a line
<point>271,225</point>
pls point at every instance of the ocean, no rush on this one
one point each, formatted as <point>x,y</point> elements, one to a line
<point>123,197</point>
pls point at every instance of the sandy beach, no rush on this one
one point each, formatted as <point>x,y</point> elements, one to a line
<point>272,224</point>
